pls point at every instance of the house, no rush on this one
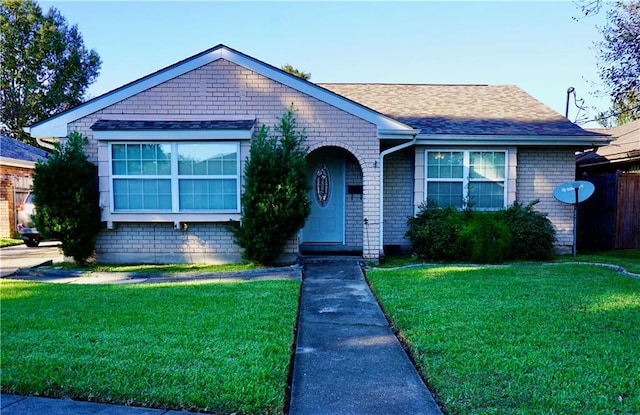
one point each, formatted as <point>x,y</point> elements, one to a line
<point>17,163</point>
<point>611,217</point>
<point>171,148</point>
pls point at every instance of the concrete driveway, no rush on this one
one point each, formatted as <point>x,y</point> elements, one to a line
<point>20,256</point>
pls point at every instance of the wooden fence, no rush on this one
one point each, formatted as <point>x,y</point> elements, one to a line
<point>610,219</point>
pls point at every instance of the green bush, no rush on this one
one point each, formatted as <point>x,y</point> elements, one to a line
<point>66,192</point>
<point>275,204</point>
<point>533,235</point>
<point>485,238</point>
<point>515,233</point>
<point>434,232</point>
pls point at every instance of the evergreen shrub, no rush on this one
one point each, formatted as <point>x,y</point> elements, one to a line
<point>67,199</point>
<point>533,234</point>
<point>275,204</point>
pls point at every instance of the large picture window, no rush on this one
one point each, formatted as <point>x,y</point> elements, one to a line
<point>465,178</point>
<point>175,177</point>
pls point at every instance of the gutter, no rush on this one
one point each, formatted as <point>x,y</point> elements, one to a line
<point>382,155</point>
<point>41,140</point>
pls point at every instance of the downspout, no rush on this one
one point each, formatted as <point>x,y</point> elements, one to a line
<point>382,154</point>
<point>45,144</point>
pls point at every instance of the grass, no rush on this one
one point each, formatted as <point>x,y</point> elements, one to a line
<point>220,348</point>
<point>154,268</point>
<point>626,258</point>
<point>520,339</point>
<point>10,242</point>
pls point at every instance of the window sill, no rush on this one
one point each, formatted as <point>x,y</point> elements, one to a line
<point>177,218</point>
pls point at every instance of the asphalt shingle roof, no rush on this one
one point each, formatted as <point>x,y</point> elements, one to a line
<point>12,148</point>
<point>625,144</point>
<point>105,125</point>
<point>461,109</point>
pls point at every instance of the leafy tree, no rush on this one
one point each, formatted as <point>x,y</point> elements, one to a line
<point>293,71</point>
<point>619,60</point>
<point>275,204</point>
<point>66,190</point>
<point>44,66</point>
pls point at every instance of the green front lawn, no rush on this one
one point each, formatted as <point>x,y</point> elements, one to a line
<point>520,339</point>
<point>626,258</point>
<point>213,347</point>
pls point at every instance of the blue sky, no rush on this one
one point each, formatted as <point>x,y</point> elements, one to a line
<point>535,45</point>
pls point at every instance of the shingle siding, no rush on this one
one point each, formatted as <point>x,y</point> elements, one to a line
<point>223,88</point>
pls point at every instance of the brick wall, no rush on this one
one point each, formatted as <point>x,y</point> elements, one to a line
<point>539,172</point>
<point>222,88</point>
<point>8,176</point>
<point>353,205</point>
<point>398,196</point>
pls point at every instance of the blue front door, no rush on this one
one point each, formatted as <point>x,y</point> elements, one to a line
<point>326,222</point>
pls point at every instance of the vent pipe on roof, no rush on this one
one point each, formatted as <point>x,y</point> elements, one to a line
<point>566,108</point>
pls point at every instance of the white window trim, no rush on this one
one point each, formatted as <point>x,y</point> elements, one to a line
<point>174,177</point>
<point>465,173</point>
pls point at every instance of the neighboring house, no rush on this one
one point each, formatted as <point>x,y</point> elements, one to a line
<point>17,162</point>
<point>171,148</point>
<point>611,217</point>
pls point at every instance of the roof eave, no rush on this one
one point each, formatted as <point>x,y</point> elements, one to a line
<point>56,126</point>
<point>9,161</point>
<point>521,140</point>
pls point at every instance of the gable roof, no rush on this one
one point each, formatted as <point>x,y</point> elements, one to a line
<point>624,146</point>
<point>56,126</point>
<point>14,152</point>
<point>462,109</point>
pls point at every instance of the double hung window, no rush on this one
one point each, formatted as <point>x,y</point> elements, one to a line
<point>464,178</point>
<point>175,177</point>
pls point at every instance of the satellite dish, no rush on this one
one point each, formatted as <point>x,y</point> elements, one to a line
<point>574,192</point>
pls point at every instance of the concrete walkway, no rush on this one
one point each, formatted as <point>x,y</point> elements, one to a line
<point>347,360</point>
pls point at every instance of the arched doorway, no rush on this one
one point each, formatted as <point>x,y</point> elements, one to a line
<point>335,222</point>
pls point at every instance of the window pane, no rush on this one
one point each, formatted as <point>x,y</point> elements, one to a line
<point>212,194</point>
<point>486,165</point>
<point>136,194</point>
<point>118,152</point>
<point>444,164</point>
<point>163,151</point>
<point>149,151</point>
<point>230,202</point>
<point>134,168</point>
<point>119,167</point>
<point>207,159</point>
<point>149,168</point>
<point>164,168</point>
<point>445,194</point>
<point>133,151</point>
<point>230,166</point>
<point>486,195</point>
<point>135,201</point>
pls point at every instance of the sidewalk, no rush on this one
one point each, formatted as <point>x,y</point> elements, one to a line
<point>22,405</point>
<point>347,360</point>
